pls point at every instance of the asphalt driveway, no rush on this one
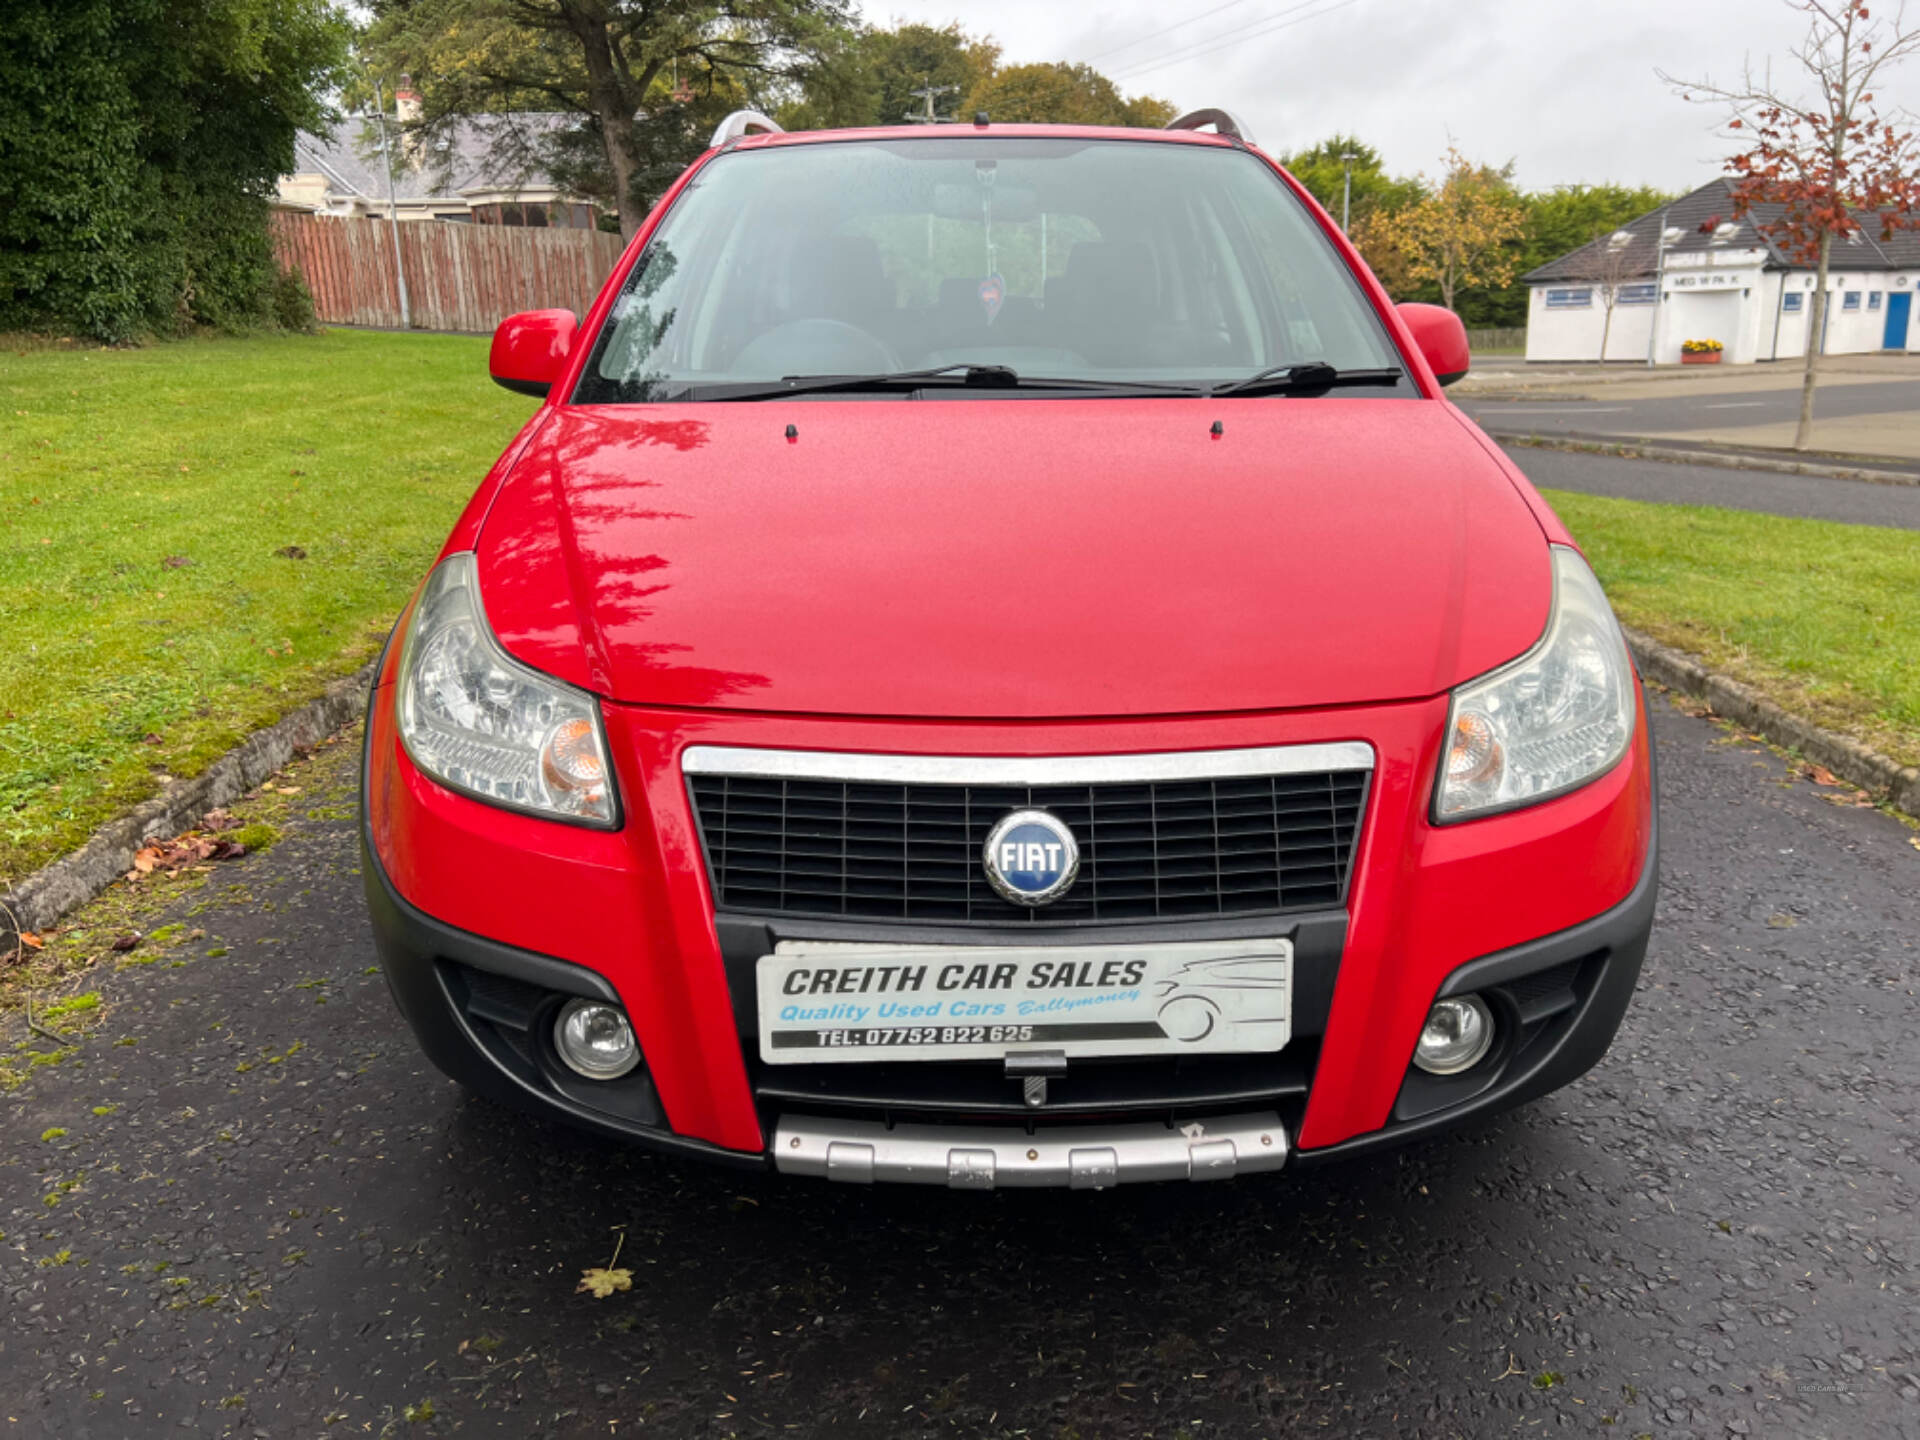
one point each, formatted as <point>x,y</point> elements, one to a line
<point>268,1217</point>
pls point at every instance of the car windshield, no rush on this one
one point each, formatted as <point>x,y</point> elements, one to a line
<point>1093,260</point>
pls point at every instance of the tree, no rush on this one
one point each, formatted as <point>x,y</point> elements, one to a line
<point>1609,262</point>
<point>1322,169</point>
<point>1568,216</point>
<point>1819,161</point>
<point>613,65</point>
<point>870,78</point>
<point>1459,236</point>
<point>140,143</point>
<point>1063,94</point>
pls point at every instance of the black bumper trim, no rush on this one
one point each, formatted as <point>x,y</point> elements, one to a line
<point>1615,941</point>
<point>415,950</point>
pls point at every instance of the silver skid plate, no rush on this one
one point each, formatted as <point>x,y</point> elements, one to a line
<point>968,1157</point>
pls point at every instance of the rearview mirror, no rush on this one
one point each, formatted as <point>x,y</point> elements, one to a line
<point>530,350</point>
<point>1442,340</point>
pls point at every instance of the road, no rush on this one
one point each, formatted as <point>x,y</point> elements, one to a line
<point>1853,502</point>
<point>291,1227</point>
<point>1666,414</point>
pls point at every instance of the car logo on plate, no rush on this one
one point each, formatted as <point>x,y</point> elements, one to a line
<point>1032,859</point>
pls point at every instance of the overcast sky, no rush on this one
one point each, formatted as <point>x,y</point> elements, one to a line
<point>1564,88</point>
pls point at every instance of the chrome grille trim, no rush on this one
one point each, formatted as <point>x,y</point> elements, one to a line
<point>1026,770</point>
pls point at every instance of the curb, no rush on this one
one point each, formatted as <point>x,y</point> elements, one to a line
<point>1848,759</point>
<point>1718,459</point>
<point>50,892</point>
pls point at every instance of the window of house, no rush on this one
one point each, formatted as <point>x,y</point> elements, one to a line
<point>1873,300</point>
<point>1791,302</point>
<point>1580,299</point>
<point>1637,295</point>
<point>1851,300</point>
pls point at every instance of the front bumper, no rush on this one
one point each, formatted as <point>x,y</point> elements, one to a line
<point>1546,911</point>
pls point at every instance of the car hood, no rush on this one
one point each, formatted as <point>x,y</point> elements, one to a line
<point>1013,558</point>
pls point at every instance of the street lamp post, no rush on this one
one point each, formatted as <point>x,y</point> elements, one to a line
<point>393,212</point>
<point>1659,290</point>
<point>1346,190</point>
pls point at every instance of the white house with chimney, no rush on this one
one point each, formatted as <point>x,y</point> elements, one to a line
<point>1691,271</point>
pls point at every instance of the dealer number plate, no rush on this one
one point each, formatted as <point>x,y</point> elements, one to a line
<point>822,1003</point>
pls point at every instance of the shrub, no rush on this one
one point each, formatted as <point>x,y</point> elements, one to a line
<point>292,301</point>
<point>140,141</point>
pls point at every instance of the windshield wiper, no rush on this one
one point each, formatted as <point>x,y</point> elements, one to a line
<point>1311,377</point>
<point>961,375</point>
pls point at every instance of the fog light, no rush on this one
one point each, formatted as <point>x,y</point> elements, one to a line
<point>1457,1036</point>
<point>595,1040</point>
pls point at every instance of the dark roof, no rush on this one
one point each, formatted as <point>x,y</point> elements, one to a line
<point>493,152</point>
<point>1713,202</point>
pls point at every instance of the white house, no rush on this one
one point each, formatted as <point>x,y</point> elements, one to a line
<point>1691,271</point>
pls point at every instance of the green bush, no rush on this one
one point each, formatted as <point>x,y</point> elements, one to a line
<point>292,301</point>
<point>140,143</point>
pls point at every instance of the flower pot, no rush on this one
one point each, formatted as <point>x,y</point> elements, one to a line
<point>1703,357</point>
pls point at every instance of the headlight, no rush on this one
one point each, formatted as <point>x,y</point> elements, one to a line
<point>1554,719</point>
<point>477,720</point>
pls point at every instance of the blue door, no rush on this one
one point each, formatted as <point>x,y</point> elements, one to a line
<point>1899,311</point>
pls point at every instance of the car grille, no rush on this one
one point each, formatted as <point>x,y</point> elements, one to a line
<point>912,852</point>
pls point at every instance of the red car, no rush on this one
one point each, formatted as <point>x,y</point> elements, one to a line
<point>995,663</point>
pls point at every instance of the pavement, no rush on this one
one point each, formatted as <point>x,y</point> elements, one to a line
<point>1865,405</point>
<point>267,1216</point>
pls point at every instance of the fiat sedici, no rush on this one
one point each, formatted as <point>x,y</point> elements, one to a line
<point>995,663</point>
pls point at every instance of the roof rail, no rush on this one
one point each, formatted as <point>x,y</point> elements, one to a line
<point>742,122</point>
<point>1224,122</point>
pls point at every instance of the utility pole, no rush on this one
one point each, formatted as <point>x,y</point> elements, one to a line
<point>393,213</point>
<point>929,92</point>
<point>1346,190</point>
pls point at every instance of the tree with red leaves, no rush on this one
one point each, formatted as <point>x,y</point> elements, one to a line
<point>1828,160</point>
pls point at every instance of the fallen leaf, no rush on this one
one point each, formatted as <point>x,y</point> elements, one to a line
<point>601,1282</point>
<point>291,552</point>
<point>145,859</point>
<point>126,942</point>
<point>32,941</point>
<point>1819,774</point>
<point>175,562</point>
<point>1914,840</point>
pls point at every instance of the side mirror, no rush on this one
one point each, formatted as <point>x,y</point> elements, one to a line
<point>1442,340</point>
<point>530,350</point>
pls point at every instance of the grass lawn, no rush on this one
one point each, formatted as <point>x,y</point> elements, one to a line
<point>1823,618</point>
<point>147,620</point>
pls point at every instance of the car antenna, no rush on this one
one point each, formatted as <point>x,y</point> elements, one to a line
<point>1219,429</point>
<point>980,119</point>
<point>793,432</point>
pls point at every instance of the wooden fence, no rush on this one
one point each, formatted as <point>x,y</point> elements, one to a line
<point>459,277</point>
<point>1491,341</point>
